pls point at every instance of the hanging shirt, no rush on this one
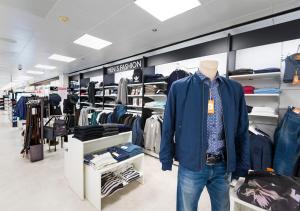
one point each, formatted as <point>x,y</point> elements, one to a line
<point>215,127</point>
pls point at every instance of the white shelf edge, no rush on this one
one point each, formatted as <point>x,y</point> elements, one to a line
<point>262,115</point>
<point>258,75</point>
<point>154,83</point>
<point>262,95</point>
<point>131,85</point>
<point>137,96</point>
<point>109,87</point>
<point>155,95</point>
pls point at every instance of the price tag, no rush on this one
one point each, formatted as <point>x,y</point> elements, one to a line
<point>211,107</point>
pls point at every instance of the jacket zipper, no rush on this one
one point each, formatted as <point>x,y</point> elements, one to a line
<point>224,130</point>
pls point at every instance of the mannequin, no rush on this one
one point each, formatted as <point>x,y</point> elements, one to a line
<point>209,68</point>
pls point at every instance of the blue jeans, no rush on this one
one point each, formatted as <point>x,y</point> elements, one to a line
<point>191,183</point>
<point>287,144</point>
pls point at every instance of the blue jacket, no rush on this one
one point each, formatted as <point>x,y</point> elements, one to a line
<point>137,132</point>
<point>186,116</point>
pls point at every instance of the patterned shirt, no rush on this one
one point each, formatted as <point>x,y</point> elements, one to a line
<point>215,127</point>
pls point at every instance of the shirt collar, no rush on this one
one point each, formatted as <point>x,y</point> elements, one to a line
<point>206,79</point>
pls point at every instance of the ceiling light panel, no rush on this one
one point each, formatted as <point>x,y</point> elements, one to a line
<point>35,72</point>
<point>45,67</point>
<point>61,58</point>
<point>166,9</point>
<point>92,42</point>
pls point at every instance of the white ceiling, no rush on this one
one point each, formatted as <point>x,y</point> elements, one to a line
<point>30,30</point>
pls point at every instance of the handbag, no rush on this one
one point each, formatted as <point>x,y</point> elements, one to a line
<point>60,128</point>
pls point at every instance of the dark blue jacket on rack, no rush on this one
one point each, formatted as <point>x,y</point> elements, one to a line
<point>21,108</point>
<point>186,116</point>
<point>137,132</point>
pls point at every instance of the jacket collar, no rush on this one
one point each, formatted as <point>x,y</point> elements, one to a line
<point>204,78</point>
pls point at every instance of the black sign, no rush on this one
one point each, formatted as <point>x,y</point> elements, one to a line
<point>137,64</point>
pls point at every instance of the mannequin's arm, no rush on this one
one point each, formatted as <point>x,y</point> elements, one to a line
<point>242,139</point>
<point>167,146</point>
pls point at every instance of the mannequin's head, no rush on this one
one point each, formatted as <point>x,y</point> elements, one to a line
<point>209,68</point>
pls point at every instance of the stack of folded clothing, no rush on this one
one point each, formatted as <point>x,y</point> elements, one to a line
<point>110,183</point>
<point>112,155</point>
<point>242,71</point>
<point>267,70</point>
<point>263,110</point>
<point>118,153</point>
<point>154,78</point>
<point>267,91</point>
<point>156,104</point>
<point>132,149</point>
<point>85,133</point>
<point>128,174</point>
<point>248,89</point>
<point>102,160</point>
<point>110,129</point>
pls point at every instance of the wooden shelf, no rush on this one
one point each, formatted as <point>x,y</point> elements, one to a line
<point>255,76</point>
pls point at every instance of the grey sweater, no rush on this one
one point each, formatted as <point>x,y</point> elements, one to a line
<point>122,91</point>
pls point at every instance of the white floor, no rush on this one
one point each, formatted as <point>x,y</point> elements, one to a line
<point>41,186</point>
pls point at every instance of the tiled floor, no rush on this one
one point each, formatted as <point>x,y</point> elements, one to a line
<point>41,186</point>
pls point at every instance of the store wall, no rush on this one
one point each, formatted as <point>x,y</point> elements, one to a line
<point>192,65</point>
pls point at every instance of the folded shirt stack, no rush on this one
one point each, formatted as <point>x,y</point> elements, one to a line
<point>267,91</point>
<point>155,78</point>
<point>85,133</point>
<point>267,70</point>
<point>112,155</point>
<point>102,160</point>
<point>132,149</point>
<point>263,110</point>
<point>111,182</point>
<point>248,89</point>
<point>157,104</point>
<point>242,71</point>
<point>128,174</point>
<point>110,129</point>
<point>118,153</point>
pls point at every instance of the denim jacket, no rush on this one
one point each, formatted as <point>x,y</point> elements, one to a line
<point>186,118</point>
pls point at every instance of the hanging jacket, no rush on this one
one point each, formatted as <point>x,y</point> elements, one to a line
<point>176,75</point>
<point>122,91</point>
<point>186,117</point>
<point>291,66</point>
<point>20,108</point>
<point>92,92</point>
<point>137,132</point>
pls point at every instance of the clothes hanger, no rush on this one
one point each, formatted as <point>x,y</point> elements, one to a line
<point>253,129</point>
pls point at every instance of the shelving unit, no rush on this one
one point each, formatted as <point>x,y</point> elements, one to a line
<point>269,99</point>
<point>255,76</point>
<point>93,178</point>
<point>84,180</point>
